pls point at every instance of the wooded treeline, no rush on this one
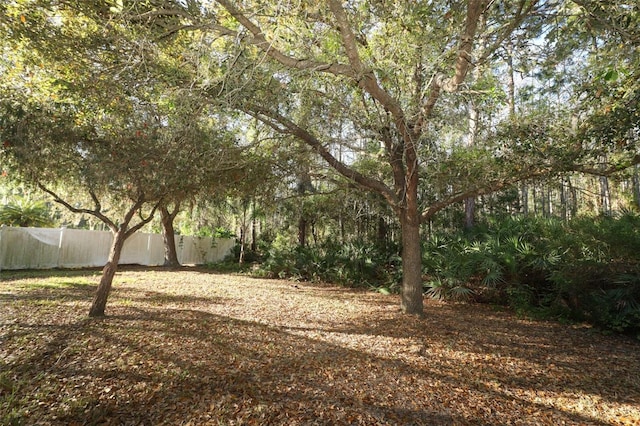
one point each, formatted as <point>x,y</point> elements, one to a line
<point>364,126</point>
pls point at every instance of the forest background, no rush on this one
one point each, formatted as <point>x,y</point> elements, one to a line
<point>480,151</point>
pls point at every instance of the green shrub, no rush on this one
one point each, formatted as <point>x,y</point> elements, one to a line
<point>26,214</point>
<point>586,269</point>
<point>221,232</point>
<point>352,264</point>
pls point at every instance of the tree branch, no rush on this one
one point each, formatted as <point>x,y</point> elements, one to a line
<point>143,220</point>
<point>156,13</point>
<point>95,212</point>
<point>532,173</point>
<point>440,82</point>
<point>287,126</point>
<point>259,40</point>
<point>365,77</point>
<point>607,20</point>
<point>606,171</point>
<point>484,189</point>
<point>513,24</point>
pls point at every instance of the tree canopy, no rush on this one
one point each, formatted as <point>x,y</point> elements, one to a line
<point>388,82</point>
<point>110,136</point>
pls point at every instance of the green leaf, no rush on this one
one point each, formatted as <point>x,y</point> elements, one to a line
<point>611,75</point>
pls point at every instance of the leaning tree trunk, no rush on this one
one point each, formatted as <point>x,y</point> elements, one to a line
<point>168,235</point>
<point>108,272</point>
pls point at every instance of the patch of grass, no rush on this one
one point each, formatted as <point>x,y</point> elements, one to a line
<point>58,282</point>
<point>230,267</point>
<point>127,302</point>
<point>14,405</point>
<point>10,275</point>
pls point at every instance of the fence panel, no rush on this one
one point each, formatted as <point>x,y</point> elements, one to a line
<point>82,248</point>
<point>27,248</point>
<point>44,248</point>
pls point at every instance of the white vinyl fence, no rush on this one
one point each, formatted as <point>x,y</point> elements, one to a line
<point>44,248</point>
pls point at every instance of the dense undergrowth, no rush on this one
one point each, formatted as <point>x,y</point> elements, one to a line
<point>587,269</point>
<point>355,264</point>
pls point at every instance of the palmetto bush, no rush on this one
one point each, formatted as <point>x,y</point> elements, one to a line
<point>488,263</point>
<point>587,269</point>
<point>600,279</point>
<point>26,213</point>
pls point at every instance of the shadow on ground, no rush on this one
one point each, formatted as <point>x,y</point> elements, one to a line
<point>151,365</point>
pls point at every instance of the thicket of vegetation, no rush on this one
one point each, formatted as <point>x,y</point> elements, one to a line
<point>586,269</point>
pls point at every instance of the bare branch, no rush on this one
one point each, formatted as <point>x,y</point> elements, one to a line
<point>95,212</point>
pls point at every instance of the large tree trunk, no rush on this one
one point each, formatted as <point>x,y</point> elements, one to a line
<point>168,236</point>
<point>102,293</point>
<point>469,212</point>
<point>302,231</point>
<point>411,302</point>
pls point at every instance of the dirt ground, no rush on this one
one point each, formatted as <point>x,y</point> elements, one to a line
<point>192,347</point>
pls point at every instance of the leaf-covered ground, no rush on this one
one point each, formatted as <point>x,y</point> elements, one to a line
<point>196,348</point>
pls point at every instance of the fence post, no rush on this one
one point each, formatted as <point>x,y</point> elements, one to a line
<point>62,228</point>
<point>149,246</point>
